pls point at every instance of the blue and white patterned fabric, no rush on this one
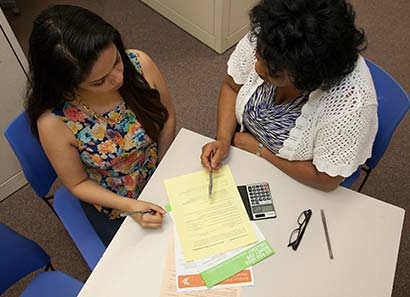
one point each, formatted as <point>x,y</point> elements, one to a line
<point>336,128</point>
<point>269,122</point>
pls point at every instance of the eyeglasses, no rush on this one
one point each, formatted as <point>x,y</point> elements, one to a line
<point>297,234</point>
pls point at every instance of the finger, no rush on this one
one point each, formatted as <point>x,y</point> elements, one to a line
<point>216,160</point>
<point>206,152</point>
<point>149,218</point>
<point>150,225</point>
<point>216,157</point>
<point>217,165</point>
<point>158,209</point>
<point>205,163</point>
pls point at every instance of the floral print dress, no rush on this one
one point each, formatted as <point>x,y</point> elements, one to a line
<point>117,154</point>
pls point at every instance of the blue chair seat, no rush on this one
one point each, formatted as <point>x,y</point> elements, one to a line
<point>20,256</point>
<point>52,284</point>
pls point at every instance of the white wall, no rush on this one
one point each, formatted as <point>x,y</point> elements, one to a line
<point>13,66</point>
<point>217,23</point>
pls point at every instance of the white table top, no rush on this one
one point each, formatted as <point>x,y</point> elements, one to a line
<point>364,233</point>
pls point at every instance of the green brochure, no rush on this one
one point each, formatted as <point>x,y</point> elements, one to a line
<point>237,263</point>
<point>230,263</point>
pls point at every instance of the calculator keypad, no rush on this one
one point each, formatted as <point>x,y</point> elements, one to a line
<point>260,201</point>
<point>259,194</point>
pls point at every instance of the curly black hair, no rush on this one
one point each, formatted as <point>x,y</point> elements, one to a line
<point>314,41</point>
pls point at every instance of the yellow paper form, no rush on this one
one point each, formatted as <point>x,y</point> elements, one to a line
<point>208,226</point>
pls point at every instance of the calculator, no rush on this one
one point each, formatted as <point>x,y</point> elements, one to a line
<point>258,202</point>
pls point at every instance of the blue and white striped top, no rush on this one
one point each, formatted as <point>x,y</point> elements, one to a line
<point>269,122</point>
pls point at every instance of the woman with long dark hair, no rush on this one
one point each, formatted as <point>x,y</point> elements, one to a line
<point>103,114</point>
<point>300,92</point>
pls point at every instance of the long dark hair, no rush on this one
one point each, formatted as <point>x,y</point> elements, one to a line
<point>315,41</point>
<point>64,44</point>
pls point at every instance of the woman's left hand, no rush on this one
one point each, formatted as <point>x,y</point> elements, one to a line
<point>245,141</point>
<point>147,220</point>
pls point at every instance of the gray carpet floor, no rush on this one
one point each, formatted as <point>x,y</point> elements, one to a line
<point>194,74</point>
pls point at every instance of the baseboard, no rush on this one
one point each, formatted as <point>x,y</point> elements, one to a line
<point>12,185</point>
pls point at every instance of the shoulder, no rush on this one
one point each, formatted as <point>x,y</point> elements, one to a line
<point>244,51</point>
<point>51,127</point>
<point>149,68</point>
<point>242,61</point>
<point>144,59</point>
<point>355,91</point>
<point>47,120</point>
<point>247,43</point>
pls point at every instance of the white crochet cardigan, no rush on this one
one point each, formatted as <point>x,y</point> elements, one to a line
<point>336,128</point>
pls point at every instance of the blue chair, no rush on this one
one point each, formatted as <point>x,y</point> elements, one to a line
<point>393,103</point>
<point>20,256</point>
<point>41,176</point>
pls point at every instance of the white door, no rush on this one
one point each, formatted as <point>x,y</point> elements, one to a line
<point>13,66</point>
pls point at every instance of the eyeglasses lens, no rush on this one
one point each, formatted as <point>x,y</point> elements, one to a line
<point>294,236</point>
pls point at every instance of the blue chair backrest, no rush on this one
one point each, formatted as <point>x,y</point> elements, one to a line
<point>36,167</point>
<point>19,256</point>
<point>393,105</point>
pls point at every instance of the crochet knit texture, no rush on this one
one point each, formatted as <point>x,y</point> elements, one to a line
<point>336,128</point>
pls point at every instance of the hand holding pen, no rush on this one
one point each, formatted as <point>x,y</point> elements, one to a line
<point>148,215</point>
<point>220,151</point>
<point>131,213</point>
<point>211,177</point>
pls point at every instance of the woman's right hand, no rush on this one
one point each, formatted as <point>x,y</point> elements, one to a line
<point>147,220</point>
<point>220,151</point>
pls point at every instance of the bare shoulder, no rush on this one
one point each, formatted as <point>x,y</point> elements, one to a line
<point>144,59</point>
<point>149,68</point>
<point>51,127</point>
<point>47,121</point>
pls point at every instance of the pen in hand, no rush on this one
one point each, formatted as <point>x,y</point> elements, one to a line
<point>130,213</point>
<point>211,180</point>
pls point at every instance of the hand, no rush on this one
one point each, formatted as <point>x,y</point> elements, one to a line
<point>220,151</point>
<point>245,141</point>
<point>147,220</point>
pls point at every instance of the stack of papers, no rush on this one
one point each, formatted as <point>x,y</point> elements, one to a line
<point>188,287</point>
<point>215,242</point>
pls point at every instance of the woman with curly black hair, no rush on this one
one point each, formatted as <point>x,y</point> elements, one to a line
<point>300,92</point>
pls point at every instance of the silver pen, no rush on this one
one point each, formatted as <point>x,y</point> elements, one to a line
<point>130,213</point>
<point>329,247</point>
<point>211,178</point>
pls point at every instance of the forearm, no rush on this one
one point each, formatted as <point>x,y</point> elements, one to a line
<point>167,136</point>
<point>304,172</point>
<point>93,193</point>
<point>226,121</point>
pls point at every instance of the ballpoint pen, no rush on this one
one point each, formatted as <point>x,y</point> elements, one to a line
<point>329,247</point>
<point>130,213</point>
<point>211,179</point>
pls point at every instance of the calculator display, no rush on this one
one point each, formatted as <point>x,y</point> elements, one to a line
<point>262,208</point>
